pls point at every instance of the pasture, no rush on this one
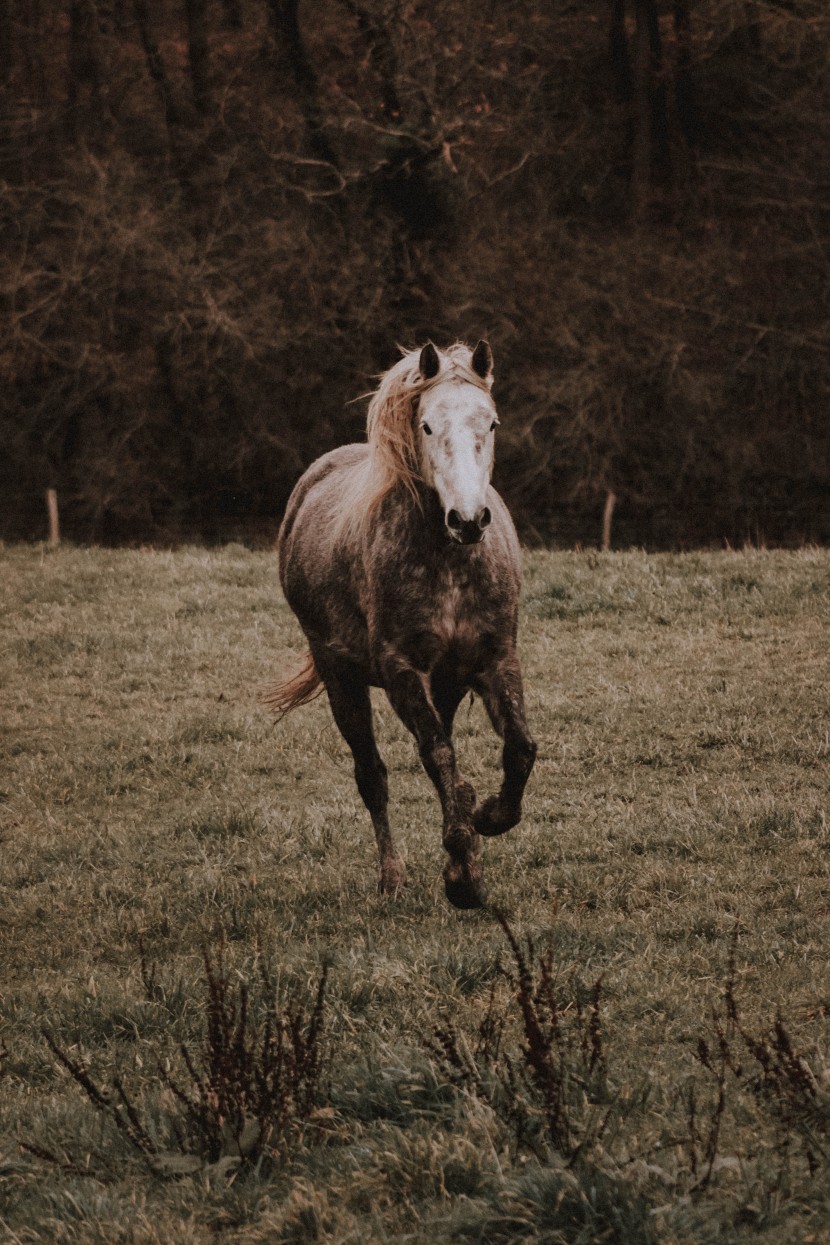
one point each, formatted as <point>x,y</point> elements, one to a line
<point>673,864</point>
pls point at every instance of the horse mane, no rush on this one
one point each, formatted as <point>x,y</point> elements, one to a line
<point>392,460</point>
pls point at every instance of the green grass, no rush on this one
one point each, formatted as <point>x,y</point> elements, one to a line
<point>680,798</point>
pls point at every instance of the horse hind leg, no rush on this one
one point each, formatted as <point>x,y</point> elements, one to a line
<point>501,691</point>
<point>352,711</point>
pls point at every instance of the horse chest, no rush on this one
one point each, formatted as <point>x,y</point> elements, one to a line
<point>454,618</point>
<point>451,615</point>
<point>440,615</point>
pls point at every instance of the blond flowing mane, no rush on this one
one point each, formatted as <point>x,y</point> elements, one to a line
<point>391,435</point>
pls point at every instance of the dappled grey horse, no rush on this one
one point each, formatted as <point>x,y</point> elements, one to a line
<point>402,565</point>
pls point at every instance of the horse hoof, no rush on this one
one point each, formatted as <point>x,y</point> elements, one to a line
<point>464,890</point>
<point>392,879</point>
<point>494,818</point>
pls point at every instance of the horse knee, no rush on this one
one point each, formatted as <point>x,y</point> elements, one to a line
<point>520,754</point>
<point>438,759</point>
<point>529,750</point>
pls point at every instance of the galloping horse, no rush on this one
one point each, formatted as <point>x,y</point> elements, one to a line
<point>402,565</point>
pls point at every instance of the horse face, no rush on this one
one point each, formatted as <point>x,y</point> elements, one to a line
<point>457,424</point>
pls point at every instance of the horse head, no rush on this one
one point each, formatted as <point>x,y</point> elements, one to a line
<point>456,422</point>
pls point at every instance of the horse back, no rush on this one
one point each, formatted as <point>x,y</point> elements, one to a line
<point>319,573</point>
<point>310,492</point>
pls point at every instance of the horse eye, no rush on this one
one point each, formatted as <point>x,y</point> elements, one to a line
<point>427,429</point>
<point>493,425</point>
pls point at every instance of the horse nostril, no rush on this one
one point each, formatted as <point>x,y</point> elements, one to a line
<point>454,520</point>
<point>485,518</point>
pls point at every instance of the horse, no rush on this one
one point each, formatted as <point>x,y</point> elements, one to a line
<point>402,565</point>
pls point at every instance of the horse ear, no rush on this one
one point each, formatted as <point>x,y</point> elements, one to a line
<point>482,360</point>
<point>429,363</point>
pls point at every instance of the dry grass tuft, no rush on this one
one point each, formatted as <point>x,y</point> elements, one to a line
<point>244,1098</point>
<point>551,1086</point>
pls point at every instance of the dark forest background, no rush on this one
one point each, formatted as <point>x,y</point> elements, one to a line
<point>219,218</point>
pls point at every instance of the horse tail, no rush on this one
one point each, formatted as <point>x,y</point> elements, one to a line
<point>302,687</point>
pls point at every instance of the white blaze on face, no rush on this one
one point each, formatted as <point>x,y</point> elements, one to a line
<point>457,424</point>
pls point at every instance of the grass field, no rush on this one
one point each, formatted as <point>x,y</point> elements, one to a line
<point>655,1069</point>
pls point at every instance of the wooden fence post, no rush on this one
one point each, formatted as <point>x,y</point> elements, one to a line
<point>607,516</point>
<point>54,521</point>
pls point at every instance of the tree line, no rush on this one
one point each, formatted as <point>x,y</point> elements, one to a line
<point>220,217</point>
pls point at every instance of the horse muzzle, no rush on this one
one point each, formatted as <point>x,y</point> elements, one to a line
<point>468,531</point>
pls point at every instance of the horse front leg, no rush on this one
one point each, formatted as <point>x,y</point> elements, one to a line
<point>501,690</point>
<point>352,711</point>
<point>409,695</point>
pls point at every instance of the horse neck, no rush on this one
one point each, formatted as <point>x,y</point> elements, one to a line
<point>417,528</point>
<point>429,508</point>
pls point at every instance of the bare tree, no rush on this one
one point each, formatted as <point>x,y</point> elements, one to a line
<point>89,74</point>
<point>199,53</point>
<point>232,14</point>
<point>284,20</point>
<point>155,64</point>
